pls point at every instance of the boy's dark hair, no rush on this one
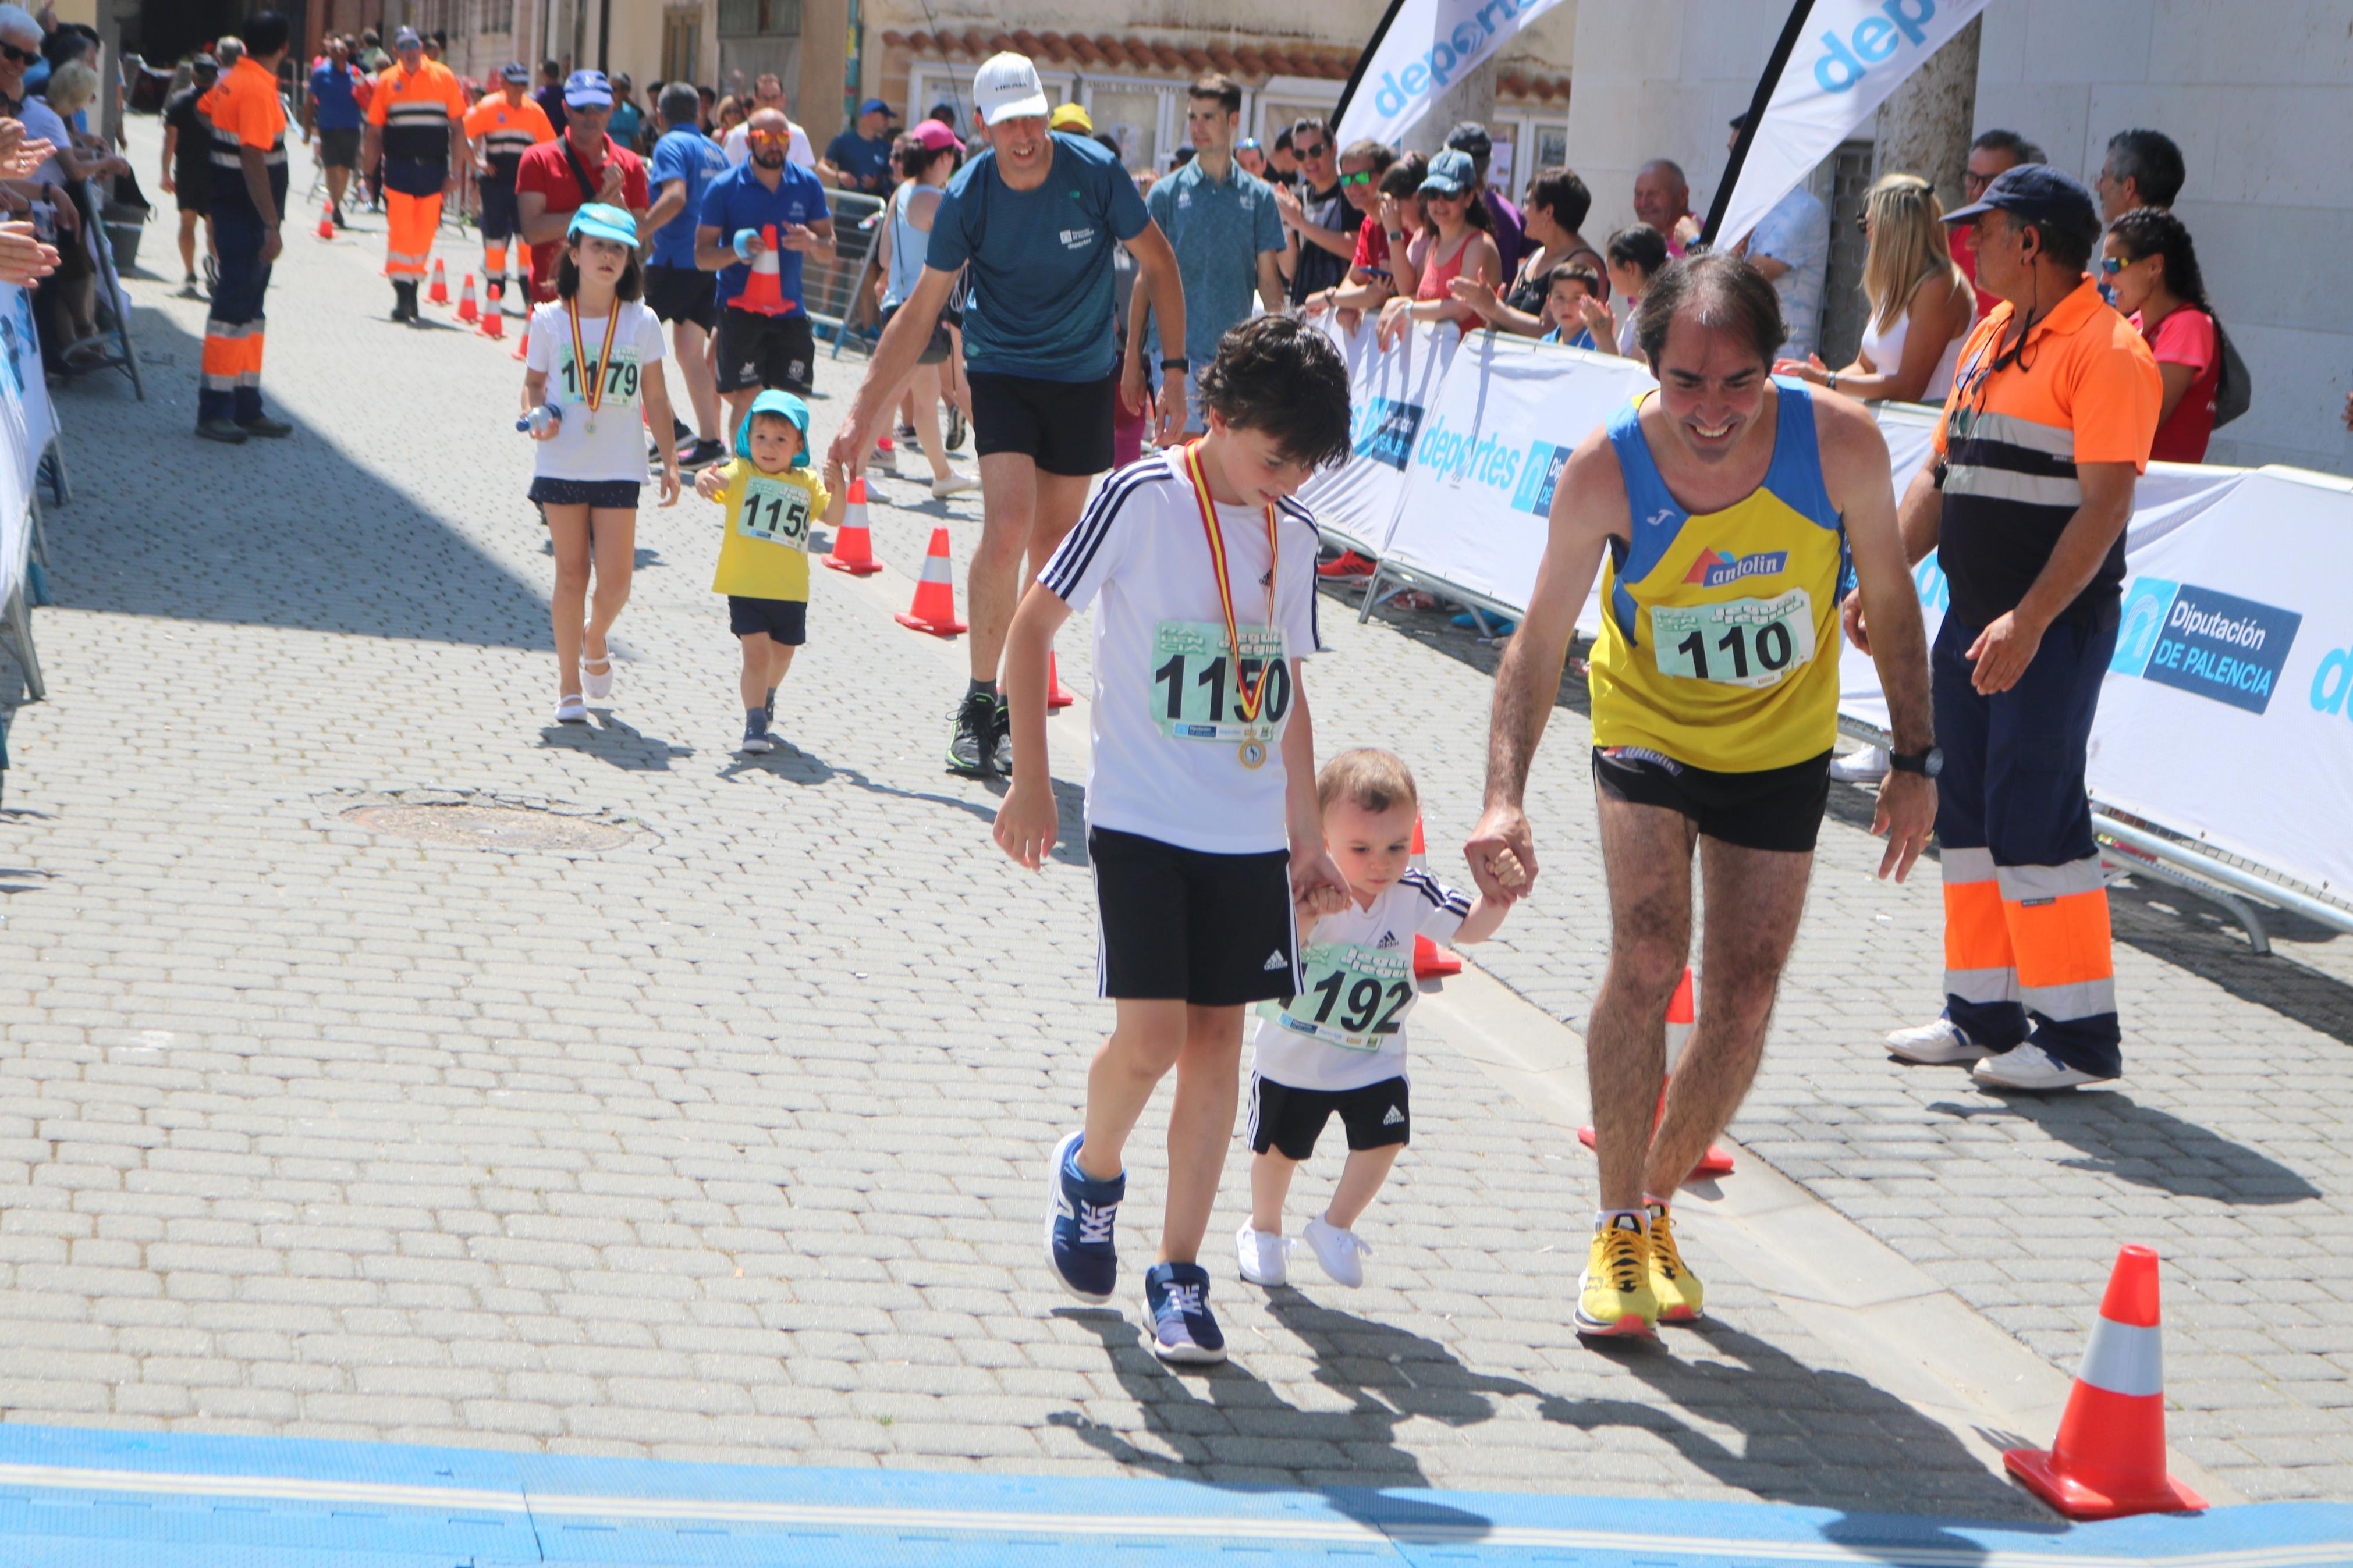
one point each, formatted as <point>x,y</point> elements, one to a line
<point>1578,272</point>
<point>1723,292</point>
<point>1640,245</point>
<point>1223,87</point>
<point>2151,161</point>
<point>266,33</point>
<point>1378,157</point>
<point>2152,231</point>
<point>567,275</point>
<point>1561,193</point>
<point>1370,780</point>
<point>1282,140</point>
<point>1283,377</point>
<point>1405,177</point>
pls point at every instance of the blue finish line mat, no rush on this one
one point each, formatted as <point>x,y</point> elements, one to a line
<point>70,1496</point>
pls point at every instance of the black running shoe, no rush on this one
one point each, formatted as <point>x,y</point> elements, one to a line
<point>972,750</point>
<point>1000,749</point>
<point>955,427</point>
<point>701,454</point>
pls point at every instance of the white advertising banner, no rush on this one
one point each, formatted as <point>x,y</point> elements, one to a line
<point>1850,55</point>
<point>22,373</point>
<point>1388,394</point>
<point>1424,49</point>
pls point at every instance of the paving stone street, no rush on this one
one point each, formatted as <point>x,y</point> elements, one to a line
<point>718,1130</point>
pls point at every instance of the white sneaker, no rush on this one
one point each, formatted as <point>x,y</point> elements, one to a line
<point>1265,1259</point>
<point>953,485</point>
<point>2028,1067</point>
<point>1340,1252</point>
<point>1867,766</point>
<point>1941,1044</point>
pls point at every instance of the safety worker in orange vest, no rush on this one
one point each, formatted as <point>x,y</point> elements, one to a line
<point>501,128</point>
<point>248,203</point>
<point>416,121</point>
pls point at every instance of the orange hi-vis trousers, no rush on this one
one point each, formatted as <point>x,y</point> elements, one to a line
<point>408,242</point>
<point>2027,948</point>
<point>229,382</point>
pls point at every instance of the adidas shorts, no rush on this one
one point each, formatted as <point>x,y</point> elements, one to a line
<point>1290,1120</point>
<point>1187,926</point>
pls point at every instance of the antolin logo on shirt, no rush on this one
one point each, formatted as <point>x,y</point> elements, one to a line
<point>1712,569</point>
<point>2209,644</point>
<point>1384,430</point>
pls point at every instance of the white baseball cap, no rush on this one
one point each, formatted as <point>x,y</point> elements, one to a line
<point>1006,88</point>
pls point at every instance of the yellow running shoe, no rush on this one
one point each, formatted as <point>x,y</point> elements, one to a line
<point>1614,1295</point>
<point>1681,1296</point>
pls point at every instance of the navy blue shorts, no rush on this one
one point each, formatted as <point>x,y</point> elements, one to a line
<point>499,216</point>
<point>784,620</point>
<point>617,494</point>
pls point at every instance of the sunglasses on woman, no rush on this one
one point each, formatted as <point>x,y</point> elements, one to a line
<point>2112,265</point>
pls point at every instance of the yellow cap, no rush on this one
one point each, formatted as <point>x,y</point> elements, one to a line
<point>1072,117</point>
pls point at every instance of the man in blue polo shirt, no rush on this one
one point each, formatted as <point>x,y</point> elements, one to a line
<point>1033,221</point>
<point>1226,233</point>
<point>757,221</point>
<point>333,111</point>
<point>676,291</point>
<point>858,159</point>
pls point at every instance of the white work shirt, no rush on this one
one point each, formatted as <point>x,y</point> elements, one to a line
<point>1166,764</point>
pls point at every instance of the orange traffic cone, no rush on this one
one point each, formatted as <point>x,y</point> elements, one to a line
<point>523,342</point>
<point>494,320</point>
<point>853,547</point>
<point>468,310</point>
<point>935,606</point>
<point>763,290</point>
<point>327,221</point>
<point>2109,1459</point>
<point>1431,961</point>
<point>1682,1018</point>
<point>438,293</point>
<point>1058,696</point>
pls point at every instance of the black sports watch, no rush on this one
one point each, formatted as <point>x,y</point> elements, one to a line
<point>1178,363</point>
<point>1927,763</point>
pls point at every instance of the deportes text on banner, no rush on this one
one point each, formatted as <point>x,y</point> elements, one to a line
<point>1850,57</point>
<point>1424,49</point>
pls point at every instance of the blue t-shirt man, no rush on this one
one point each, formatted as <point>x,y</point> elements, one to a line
<point>334,105</point>
<point>864,161</point>
<point>1040,260</point>
<point>684,153</point>
<point>736,200</point>
<point>1217,228</point>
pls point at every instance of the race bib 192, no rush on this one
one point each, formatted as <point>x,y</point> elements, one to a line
<point>1196,688</point>
<point>1735,642</point>
<point>774,513</point>
<point>1355,994</point>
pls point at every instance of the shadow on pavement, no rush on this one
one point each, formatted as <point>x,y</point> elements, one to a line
<point>1886,1457</point>
<point>2178,927</point>
<point>2148,1147</point>
<point>610,740</point>
<point>283,533</point>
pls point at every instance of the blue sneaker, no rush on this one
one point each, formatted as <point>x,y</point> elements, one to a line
<point>1176,1295</point>
<point>1501,625</point>
<point>1079,1211</point>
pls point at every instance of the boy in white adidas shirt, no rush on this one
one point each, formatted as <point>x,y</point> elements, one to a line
<point>1339,1044</point>
<point>1202,817</point>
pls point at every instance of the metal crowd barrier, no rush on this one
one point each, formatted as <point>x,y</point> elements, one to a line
<point>830,290</point>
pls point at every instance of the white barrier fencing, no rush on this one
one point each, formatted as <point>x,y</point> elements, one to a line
<point>2226,721</point>
<point>28,428</point>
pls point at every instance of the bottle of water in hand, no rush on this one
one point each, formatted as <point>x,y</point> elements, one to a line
<point>541,420</point>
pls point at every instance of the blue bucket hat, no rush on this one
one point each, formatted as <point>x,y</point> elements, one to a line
<point>774,402</point>
<point>604,222</point>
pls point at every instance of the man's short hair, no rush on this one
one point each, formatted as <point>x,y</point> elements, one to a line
<point>1282,378</point>
<point>2008,141</point>
<point>1671,167</point>
<point>1313,123</point>
<point>681,103</point>
<point>1377,156</point>
<point>1561,193</point>
<point>16,22</point>
<point>266,33</point>
<point>1723,293</point>
<point>2151,161</point>
<point>1217,85</point>
<point>2071,248</point>
<point>1369,779</point>
<point>554,69</point>
<point>1282,140</point>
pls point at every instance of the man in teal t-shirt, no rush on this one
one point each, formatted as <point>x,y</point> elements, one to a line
<point>1227,234</point>
<point>1029,225</point>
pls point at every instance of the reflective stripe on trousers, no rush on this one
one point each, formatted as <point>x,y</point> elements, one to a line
<point>409,233</point>
<point>229,379</point>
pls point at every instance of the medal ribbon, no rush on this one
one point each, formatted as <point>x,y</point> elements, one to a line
<point>1250,696</point>
<point>594,391</point>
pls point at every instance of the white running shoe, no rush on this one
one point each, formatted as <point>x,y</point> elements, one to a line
<point>593,685</point>
<point>1341,1252</point>
<point>2029,1066</point>
<point>1265,1259</point>
<point>953,485</point>
<point>1867,766</point>
<point>1940,1044</point>
<point>571,709</point>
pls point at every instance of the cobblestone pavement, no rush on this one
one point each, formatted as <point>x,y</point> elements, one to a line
<point>726,1142</point>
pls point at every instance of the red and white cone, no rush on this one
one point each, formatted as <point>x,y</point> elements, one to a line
<point>469,309</point>
<point>2109,1459</point>
<point>327,222</point>
<point>1682,1016</point>
<point>763,290</point>
<point>935,608</point>
<point>438,293</point>
<point>1431,961</point>
<point>853,546</point>
<point>1058,696</point>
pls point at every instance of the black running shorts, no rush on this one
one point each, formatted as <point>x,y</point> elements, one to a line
<point>683,294</point>
<point>784,620</point>
<point>1063,425</point>
<point>1290,1119</point>
<point>1187,926</point>
<point>1775,808</point>
<point>756,350</point>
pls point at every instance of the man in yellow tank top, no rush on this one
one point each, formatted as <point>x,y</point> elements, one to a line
<point>1723,503</point>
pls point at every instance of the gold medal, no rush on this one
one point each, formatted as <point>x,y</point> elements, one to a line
<point>1250,696</point>
<point>594,391</point>
<point>1253,753</point>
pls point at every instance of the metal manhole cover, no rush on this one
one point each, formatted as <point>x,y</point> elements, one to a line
<point>461,826</point>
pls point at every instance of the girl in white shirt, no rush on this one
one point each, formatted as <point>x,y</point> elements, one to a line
<point>595,356</point>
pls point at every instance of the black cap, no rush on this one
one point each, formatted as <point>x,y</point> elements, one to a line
<point>2040,194</point>
<point>204,63</point>
<point>1470,137</point>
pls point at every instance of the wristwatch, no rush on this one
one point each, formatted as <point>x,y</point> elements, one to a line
<point>1927,763</point>
<point>1177,364</point>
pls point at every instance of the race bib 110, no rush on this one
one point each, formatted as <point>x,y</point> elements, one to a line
<point>1735,642</point>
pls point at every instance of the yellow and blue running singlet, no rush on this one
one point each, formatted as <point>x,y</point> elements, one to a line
<point>1720,639</point>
